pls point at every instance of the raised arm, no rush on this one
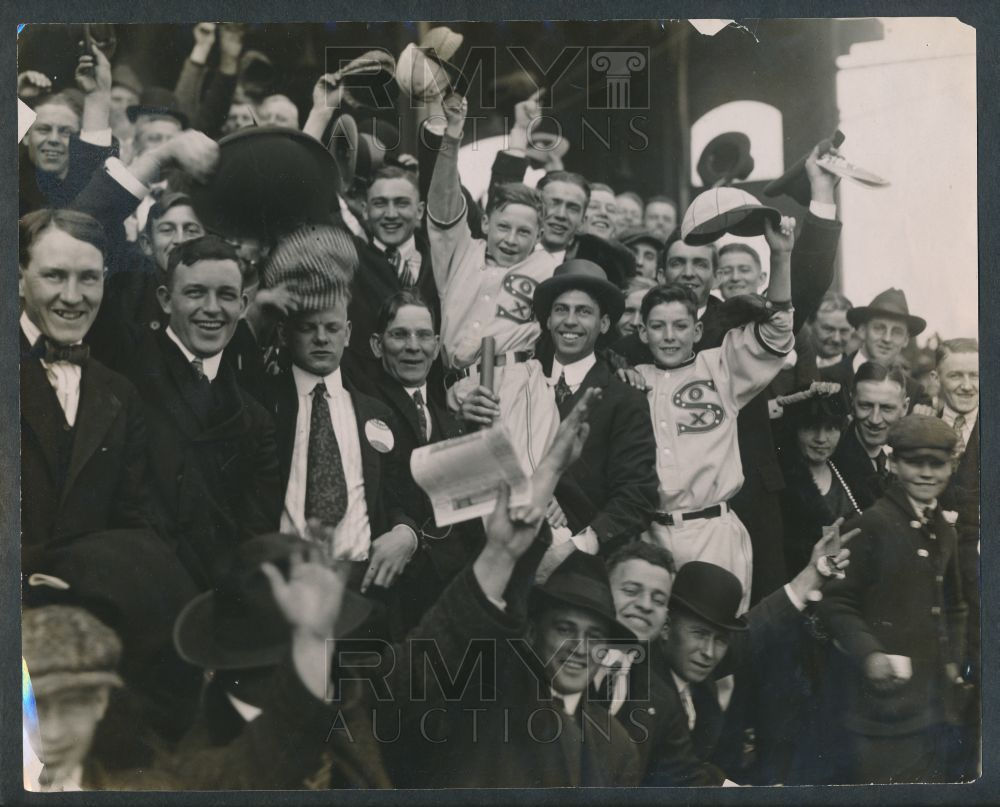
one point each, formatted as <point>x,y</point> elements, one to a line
<point>444,199</point>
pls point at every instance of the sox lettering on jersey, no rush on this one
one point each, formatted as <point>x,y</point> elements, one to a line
<point>522,289</point>
<point>705,415</point>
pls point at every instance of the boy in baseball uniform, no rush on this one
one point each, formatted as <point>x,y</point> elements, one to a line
<point>694,400</point>
<point>486,287</point>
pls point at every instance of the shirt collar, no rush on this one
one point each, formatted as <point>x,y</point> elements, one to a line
<point>859,359</point>
<point>948,415</point>
<point>570,701</point>
<point>821,362</point>
<point>422,389</point>
<point>246,710</point>
<point>305,382</point>
<point>575,372</point>
<point>209,366</point>
<point>680,683</point>
<point>31,331</point>
<point>406,249</point>
<point>920,507</point>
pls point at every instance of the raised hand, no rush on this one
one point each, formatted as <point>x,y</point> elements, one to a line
<point>455,108</point>
<point>230,46</point>
<point>781,238</point>
<point>565,449</point>
<point>311,597</point>
<point>31,84</point>
<point>821,181</point>
<point>204,35</point>
<point>194,152</point>
<point>511,530</point>
<point>93,72</point>
<point>328,92</point>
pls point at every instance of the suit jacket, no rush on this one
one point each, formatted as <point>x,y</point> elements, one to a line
<point>902,595</point>
<point>843,374</point>
<point>100,483</point>
<point>854,464</point>
<point>375,281</point>
<point>384,474</point>
<point>215,476</point>
<point>613,486</point>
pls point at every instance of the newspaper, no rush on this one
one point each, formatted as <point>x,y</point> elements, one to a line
<point>462,475</point>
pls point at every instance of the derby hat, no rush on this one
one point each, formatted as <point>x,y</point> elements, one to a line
<point>612,256</point>
<point>710,593</point>
<point>238,624</point>
<point>795,182</point>
<point>269,180</point>
<point>725,210</point>
<point>889,303</point>
<point>581,581</point>
<point>584,275</point>
<point>725,158</point>
<point>157,101</point>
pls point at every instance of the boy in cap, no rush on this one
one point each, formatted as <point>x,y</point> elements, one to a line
<point>899,615</point>
<point>694,401</point>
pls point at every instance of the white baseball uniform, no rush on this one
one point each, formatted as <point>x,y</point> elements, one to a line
<point>694,409</point>
<point>479,300</point>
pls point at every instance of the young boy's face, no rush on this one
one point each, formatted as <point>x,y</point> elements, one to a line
<point>511,233</point>
<point>671,333</point>
<point>923,478</point>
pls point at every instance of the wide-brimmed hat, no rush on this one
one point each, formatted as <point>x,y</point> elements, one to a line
<point>725,210</point>
<point>238,624</point>
<point>585,275</point>
<point>157,101</point>
<point>369,81</point>
<point>269,180</point>
<point>889,303</point>
<point>725,158</point>
<point>581,581</point>
<point>709,592</point>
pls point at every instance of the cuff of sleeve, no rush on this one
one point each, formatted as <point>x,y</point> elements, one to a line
<point>793,598</point>
<point>120,174</point>
<point>499,604</point>
<point>446,225</point>
<point>823,210</point>
<point>586,541</point>
<point>97,137</point>
<point>436,125</point>
<point>767,345</point>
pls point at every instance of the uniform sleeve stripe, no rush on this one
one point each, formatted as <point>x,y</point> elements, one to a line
<point>445,225</point>
<point>766,346</point>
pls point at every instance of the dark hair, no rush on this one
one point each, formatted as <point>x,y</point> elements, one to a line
<point>514,193</point>
<point>821,411</point>
<point>167,201</point>
<point>77,225</point>
<point>675,236</point>
<point>670,293</point>
<point>662,200</point>
<point>641,550</point>
<point>205,248</point>
<point>392,304</point>
<point>959,345</point>
<point>395,172</point>
<point>738,247</point>
<point>832,301</point>
<point>600,186</point>
<point>565,176</point>
<point>873,371</point>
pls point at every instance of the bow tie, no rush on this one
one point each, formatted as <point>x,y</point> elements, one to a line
<point>49,352</point>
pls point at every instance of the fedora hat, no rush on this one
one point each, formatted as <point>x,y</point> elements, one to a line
<point>709,592</point>
<point>889,303</point>
<point>157,101</point>
<point>579,273</point>
<point>725,158</point>
<point>581,581</point>
<point>795,182</point>
<point>269,180</point>
<point>725,210</point>
<point>238,624</point>
<point>369,81</point>
<point>426,71</point>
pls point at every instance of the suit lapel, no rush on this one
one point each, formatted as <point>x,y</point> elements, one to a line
<point>98,409</point>
<point>402,403</point>
<point>369,457</point>
<point>597,376</point>
<point>286,413</point>
<point>43,420</point>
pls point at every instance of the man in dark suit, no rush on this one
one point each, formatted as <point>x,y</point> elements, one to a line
<point>83,436</point>
<point>878,400</point>
<point>899,614</point>
<point>211,445</point>
<point>407,343</point>
<point>885,327</point>
<point>340,460</point>
<point>397,257</point>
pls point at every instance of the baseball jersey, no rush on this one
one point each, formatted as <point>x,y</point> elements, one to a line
<point>478,300</point>
<point>694,409</point>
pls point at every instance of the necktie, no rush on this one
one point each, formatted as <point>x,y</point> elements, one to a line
<point>418,401</point>
<point>562,389</point>
<point>198,365</point>
<point>326,485</point>
<point>688,703</point>
<point>50,352</point>
<point>880,463</point>
<point>402,267</point>
<point>959,426</point>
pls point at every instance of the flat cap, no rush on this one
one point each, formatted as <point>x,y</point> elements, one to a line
<point>66,647</point>
<point>916,436</point>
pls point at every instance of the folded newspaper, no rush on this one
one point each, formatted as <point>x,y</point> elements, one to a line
<point>462,476</point>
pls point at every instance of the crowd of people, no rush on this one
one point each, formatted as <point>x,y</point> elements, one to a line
<point>751,550</point>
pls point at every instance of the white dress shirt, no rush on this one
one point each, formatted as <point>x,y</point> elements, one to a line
<point>684,691</point>
<point>948,415</point>
<point>822,362</point>
<point>64,376</point>
<point>352,536</point>
<point>570,701</point>
<point>209,366</point>
<point>575,372</point>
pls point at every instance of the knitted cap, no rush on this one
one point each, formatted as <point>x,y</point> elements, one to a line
<point>66,647</point>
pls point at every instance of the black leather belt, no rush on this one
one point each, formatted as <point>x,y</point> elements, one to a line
<point>452,377</point>
<point>667,520</point>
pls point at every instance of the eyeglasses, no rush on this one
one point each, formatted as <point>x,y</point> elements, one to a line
<point>423,337</point>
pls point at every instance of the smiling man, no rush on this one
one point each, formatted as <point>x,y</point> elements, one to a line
<point>602,211</point>
<point>739,271</point>
<point>830,331</point>
<point>565,197</point>
<point>211,446</point>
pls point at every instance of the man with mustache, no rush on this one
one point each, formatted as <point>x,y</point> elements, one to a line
<point>829,329</point>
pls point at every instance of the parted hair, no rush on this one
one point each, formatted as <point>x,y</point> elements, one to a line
<point>958,345</point>
<point>395,172</point>
<point>566,176</point>
<point>514,193</point>
<point>641,550</point>
<point>78,225</point>
<point>669,293</point>
<point>204,248</point>
<point>873,371</point>
<point>738,247</point>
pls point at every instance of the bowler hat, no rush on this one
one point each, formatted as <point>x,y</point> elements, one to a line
<point>584,275</point>
<point>157,101</point>
<point>795,181</point>
<point>269,180</point>
<point>725,210</point>
<point>709,592</point>
<point>889,303</point>
<point>238,624</point>
<point>922,436</point>
<point>725,158</point>
<point>581,581</point>
<point>612,256</point>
